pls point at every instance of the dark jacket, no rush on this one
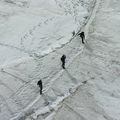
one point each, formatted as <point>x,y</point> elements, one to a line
<point>63,58</point>
<point>82,35</point>
<point>40,83</point>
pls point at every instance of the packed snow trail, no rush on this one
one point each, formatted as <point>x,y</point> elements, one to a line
<point>99,98</point>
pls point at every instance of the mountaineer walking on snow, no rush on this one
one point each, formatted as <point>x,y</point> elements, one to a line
<point>82,35</point>
<point>40,85</point>
<point>63,61</point>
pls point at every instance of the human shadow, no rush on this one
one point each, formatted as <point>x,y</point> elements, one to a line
<point>87,46</point>
<point>45,99</point>
<point>74,80</point>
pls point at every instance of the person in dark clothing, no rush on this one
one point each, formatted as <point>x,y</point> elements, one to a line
<point>40,85</point>
<point>63,61</point>
<point>82,35</point>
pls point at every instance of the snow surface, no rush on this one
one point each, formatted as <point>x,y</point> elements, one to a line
<point>33,36</point>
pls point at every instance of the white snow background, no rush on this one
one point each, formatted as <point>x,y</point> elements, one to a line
<point>29,27</point>
<point>34,34</point>
<point>31,31</point>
